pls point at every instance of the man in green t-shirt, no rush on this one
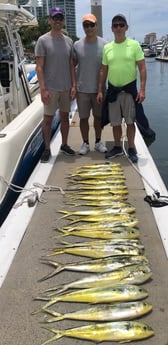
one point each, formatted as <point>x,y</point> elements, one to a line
<point>121,58</point>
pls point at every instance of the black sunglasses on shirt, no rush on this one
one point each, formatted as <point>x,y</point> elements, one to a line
<point>89,25</point>
<point>116,25</point>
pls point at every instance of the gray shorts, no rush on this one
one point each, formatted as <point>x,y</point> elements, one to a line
<point>87,102</point>
<point>59,99</point>
<point>123,107</point>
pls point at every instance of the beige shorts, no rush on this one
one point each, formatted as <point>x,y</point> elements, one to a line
<point>123,107</point>
<point>87,102</point>
<point>59,99</point>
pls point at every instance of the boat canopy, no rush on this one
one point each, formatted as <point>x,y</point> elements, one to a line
<point>17,16</point>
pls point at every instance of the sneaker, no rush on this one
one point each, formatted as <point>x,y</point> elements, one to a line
<point>45,156</point>
<point>116,151</point>
<point>67,150</point>
<point>100,147</point>
<point>132,155</point>
<point>84,149</point>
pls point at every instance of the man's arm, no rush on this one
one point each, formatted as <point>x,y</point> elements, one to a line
<point>102,79</point>
<point>40,71</point>
<point>45,97</point>
<point>73,78</point>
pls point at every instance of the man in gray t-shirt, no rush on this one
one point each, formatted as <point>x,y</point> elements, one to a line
<point>87,54</point>
<point>56,75</point>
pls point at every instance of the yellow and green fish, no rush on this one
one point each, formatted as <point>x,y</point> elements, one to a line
<point>109,312</point>
<point>107,294</point>
<point>121,331</point>
<point>97,265</point>
<point>113,233</point>
<point>135,274</point>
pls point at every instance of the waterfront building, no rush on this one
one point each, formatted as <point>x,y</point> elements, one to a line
<point>40,8</point>
<point>150,38</point>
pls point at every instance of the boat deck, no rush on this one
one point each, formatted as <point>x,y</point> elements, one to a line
<point>17,325</point>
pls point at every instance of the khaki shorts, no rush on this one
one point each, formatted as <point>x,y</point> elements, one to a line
<point>87,102</point>
<point>123,107</point>
<point>59,99</point>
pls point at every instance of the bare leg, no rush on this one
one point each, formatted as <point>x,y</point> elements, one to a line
<point>117,132</point>
<point>64,127</point>
<point>46,129</point>
<point>84,128</point>
<point>131,135</point>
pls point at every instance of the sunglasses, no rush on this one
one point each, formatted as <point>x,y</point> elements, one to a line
<point>58,17</point>
<point>89,25</point>
<point>120,25</point>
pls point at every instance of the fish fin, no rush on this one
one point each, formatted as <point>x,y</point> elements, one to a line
<point>122,341</point>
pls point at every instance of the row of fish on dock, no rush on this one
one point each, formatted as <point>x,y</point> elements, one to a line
<point>100,214</point>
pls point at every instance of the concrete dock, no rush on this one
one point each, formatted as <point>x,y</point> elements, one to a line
<point>17,325</point>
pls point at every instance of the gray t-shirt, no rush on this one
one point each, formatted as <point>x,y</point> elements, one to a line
<point>89,59</point>
<point>57,52</point>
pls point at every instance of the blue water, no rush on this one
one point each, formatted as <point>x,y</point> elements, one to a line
<point>156,109</point>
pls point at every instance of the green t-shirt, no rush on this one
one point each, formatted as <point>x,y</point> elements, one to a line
<point>121,60</point>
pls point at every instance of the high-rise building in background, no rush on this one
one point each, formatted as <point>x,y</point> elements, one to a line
<point>96,9</point>
<point>40,8</point>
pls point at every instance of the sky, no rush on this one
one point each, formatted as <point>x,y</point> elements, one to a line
<point>143,16</point>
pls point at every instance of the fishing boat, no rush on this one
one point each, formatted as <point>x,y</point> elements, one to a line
<point>163,56</point>
<point>21,109</point>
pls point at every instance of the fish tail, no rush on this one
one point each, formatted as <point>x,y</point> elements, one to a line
<point>58,334</point>
<point>56,252</point>
<point>55,318</point>
<point>50,275</point>
<point>42,309</point>
<point>65,214</point>
<point>53,313</point>
<point>56,290</point>
<point>76,221</point>
<point>53,263</point>
<point>64,234</point>
<point>65,229</point>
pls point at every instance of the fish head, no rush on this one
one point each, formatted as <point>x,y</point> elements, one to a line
<point>141,330</point>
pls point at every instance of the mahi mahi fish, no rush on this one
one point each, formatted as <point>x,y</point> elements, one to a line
<point>98,211</point>
<point>99,251</point>
<point>118,189</point>
<point>102,166</point>
<point>104,195</point>
<point>113,181</point>
<point>108,294</point>
<point>97,265</point>
<point>104,218</point>
<point>114,233</point>
<point>135,274</point>
<point>121,331</point>
<point>101,225</point>
<point>109,312</point>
